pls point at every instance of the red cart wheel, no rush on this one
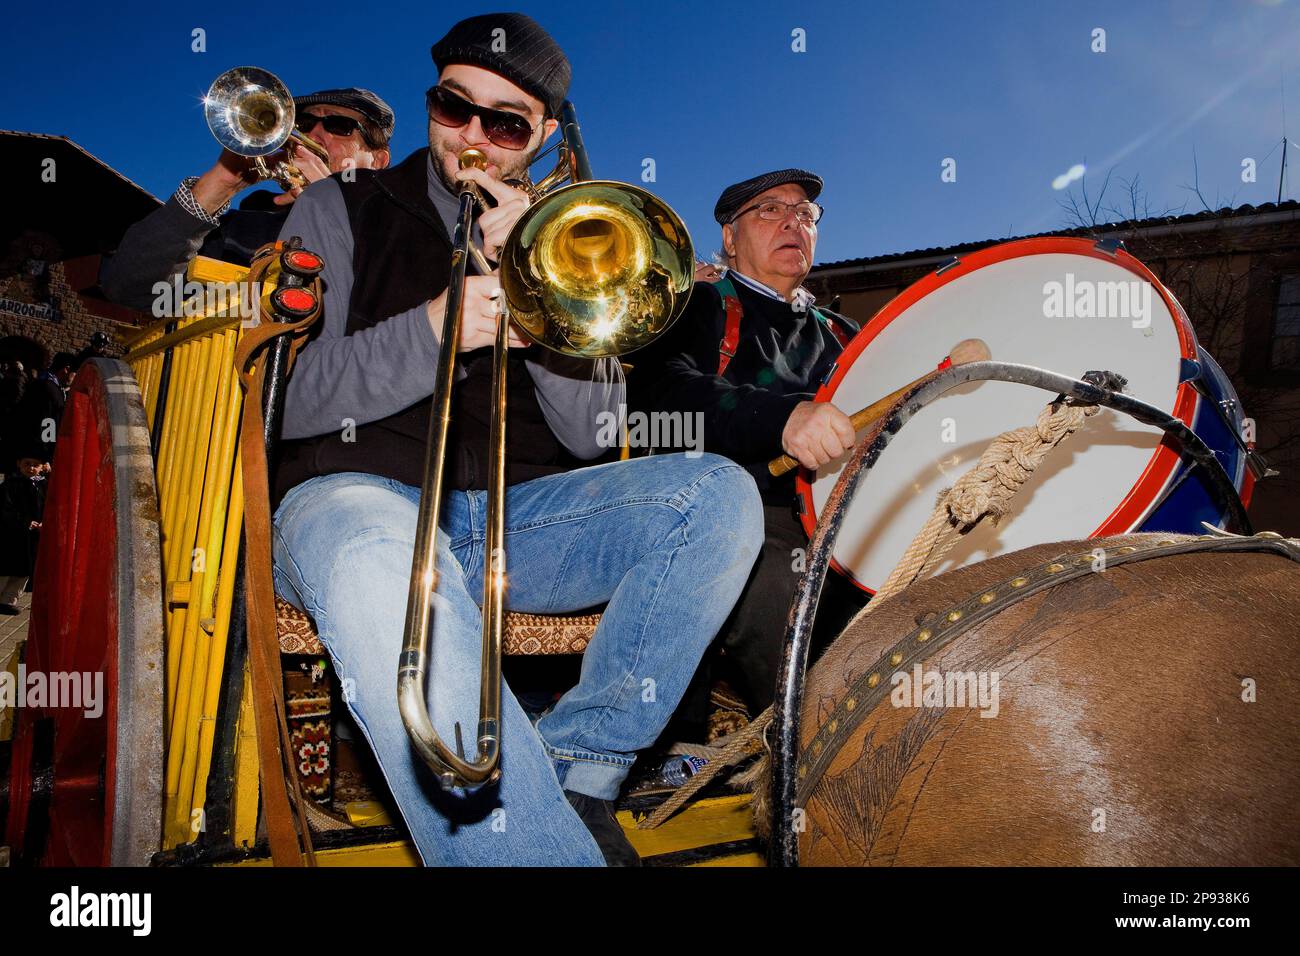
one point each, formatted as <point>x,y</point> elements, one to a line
<point>86,787</point>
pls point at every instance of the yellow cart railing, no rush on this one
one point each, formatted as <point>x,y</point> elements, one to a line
<point>194,418</point>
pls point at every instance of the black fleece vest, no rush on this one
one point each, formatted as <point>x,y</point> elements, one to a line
<point>402,258</point>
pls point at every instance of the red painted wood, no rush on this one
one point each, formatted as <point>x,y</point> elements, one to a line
<point>74,629</point>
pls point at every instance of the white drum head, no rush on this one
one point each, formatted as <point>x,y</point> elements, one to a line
<point>1105,311</point>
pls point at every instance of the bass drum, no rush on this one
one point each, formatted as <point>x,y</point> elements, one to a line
<point>1067,305</point>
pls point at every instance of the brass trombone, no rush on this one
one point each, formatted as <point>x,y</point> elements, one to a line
<point>251,113</point>
<point>592,269</point>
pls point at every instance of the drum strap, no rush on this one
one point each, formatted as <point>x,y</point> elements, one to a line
<point>731,332</point>
<point>281,796</point>
<point>841,334</point>
<point>936,630</point>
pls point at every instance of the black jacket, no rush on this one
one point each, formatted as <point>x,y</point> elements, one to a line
<point>162,244</point>
<point>782,359</point>
<point>25,426</point>
<point>21,502</point>
<point>402,257</point>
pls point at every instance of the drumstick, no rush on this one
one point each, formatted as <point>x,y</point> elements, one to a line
<point>967,350</point>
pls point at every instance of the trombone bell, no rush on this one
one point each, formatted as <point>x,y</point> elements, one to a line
<point>597,269</point>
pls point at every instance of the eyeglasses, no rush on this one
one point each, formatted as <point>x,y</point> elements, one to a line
<point>334,124</point>
<point>504,129</point>
<point>775,211</point>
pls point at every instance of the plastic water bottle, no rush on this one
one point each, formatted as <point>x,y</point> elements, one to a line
<point>679,768</point>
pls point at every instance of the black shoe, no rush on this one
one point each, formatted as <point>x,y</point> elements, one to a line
<point>10,609</point>
<point>598,816</point>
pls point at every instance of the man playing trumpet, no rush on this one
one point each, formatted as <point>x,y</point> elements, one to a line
<point>352,126</point>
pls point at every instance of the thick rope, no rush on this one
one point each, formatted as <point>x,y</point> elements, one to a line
<point>984,491</point>
<point>741,744</point>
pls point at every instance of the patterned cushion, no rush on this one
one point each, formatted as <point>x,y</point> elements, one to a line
<point>524,633</point>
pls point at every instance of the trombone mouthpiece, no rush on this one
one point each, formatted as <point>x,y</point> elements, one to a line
<point>473,157</point>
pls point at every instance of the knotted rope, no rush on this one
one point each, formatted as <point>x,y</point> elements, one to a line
<point>984,491</point>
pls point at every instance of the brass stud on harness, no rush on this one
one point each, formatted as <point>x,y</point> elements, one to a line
<point>1053,568</point>
<point>1127,549</point>
<point>831,728</point>
<point>850,703</point>
<point>924,635</point>
<point>873,680</point>
<point>896,658</point>
<point>1019,582</point>
<point>987,597</point>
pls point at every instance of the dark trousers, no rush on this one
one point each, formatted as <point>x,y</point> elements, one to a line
<point>747,651</point>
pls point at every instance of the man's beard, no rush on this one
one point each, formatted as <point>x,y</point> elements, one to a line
<point>516,170</point>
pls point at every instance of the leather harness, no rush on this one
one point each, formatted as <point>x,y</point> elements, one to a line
<point>281,797</point>
<point>937,630</point>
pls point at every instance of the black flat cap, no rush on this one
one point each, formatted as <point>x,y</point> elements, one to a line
<point>734,198</point>
<point>364,102</point>
<point>513,45</point>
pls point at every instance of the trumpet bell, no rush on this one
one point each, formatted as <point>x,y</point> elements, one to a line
<point>596,269</point>
<point>249,111</point>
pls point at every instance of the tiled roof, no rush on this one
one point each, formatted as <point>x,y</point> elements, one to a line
<point>1100,228</point>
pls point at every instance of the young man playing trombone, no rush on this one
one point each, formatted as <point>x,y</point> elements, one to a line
<point>667,541</point>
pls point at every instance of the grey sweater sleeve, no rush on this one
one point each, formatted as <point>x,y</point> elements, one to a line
<point>363,377</point>
<point>153,250</point>
<point>379,371</point>
<point>578,398</point>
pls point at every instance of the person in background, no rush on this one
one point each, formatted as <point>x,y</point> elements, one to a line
<point>22,500</point>
<point>13,382</point>
<point>97,347</point>
<point>353,125</point>
<point>35,419</point>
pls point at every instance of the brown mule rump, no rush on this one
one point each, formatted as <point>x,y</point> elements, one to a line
<point>1145,714</point>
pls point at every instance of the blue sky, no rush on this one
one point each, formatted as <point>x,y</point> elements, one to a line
<point>713,92</point>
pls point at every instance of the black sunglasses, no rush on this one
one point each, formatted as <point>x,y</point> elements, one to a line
<point>334,124</point>
<point>507,130</point>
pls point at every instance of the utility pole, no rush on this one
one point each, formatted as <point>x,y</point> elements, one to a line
<point>1282,176</point>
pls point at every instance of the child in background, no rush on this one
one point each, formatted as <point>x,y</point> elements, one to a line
<point>22,501</point>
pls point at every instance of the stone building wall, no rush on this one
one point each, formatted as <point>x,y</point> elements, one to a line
<point>77,322</point>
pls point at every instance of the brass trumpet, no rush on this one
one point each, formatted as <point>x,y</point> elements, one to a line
<point>251,113</point>
<point>592,269</point>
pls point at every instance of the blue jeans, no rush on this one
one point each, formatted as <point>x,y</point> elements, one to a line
<point>667,541</point>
